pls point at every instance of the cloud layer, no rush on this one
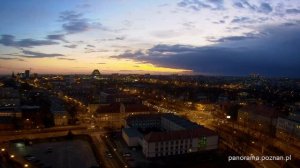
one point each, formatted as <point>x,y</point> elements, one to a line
<point>276,52</point>
<point>9,40</point>
<point>74,22</point>
<point>32,54</point>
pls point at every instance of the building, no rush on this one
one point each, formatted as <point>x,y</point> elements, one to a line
<point>9,118</point>
<point>96,74</point>
<point>10,114</point>
<point>113,96</point>
<point>60,114</point>
<point>166,134</point>
<point>27,74</point>
<point>131,136</point>
<point>289,126</point>
<point>258,117</point>
<point>113,115</point>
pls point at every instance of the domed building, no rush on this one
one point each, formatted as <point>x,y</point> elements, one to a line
<point>96,74</point>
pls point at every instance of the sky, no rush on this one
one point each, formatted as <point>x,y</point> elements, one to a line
<point>206,37</point>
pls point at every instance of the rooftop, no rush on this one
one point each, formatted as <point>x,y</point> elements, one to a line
<point>261,110</point>
<point>132,132</point>
<point>181,121</point>
<point>181,134</point>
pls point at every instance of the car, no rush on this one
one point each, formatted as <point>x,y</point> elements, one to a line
<point>49,150</point>
<point>29,157</point>
<point>126,154</point>
<point>108,154</point>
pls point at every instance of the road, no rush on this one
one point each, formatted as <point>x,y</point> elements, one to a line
<point>102,148</point>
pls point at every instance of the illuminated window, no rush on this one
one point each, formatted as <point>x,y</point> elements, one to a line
<point>202,143</point>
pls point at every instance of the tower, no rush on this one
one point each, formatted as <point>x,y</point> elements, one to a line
<point>27,74</point>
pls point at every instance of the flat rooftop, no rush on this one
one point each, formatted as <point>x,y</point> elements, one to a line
<point>181,121</point>
<point>132,132</point>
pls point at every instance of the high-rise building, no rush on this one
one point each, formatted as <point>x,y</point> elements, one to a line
<point>27,74</point>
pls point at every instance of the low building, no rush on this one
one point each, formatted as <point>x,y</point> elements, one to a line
<point>61,119</point>
<point>289,126</point>
<point>9,118</point>
<point>166,134</point>
<point>59,112</point>
<point>131,136</point>
<point>10,114</point>
<point>258,117</point>
<point>113,115</point>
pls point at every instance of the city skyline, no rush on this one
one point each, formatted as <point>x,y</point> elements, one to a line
<point>208,37</point>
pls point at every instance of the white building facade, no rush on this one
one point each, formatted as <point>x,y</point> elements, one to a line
<point>176,136</point>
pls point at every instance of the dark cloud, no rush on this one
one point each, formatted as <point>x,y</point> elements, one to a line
<point>219,22</point>
<point>239,5</point>
<point>290,24</point>
<point>70,16</point>
<point>92,46</point>
<point>262,8</point>
<point>265,8</point>
<point>274,54</point>
<point>189,25</point>
<point>241,20</point>
<point>32,54</point>
<point>92,50</point>
<point>9,40</point>
<point>247,36</point>
<point>68,59</point>
<point>76,26</point>
<point>60,37</point>
<point>74,22</point>
<point>71,46</point>
<point>248,20</point>
<point>11,58</point>
<point>101,63</point>
<point>119,38</point>
<point>293,11</point>
<point>197,5</point>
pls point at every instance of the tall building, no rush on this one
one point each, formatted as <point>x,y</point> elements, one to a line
<point>27,74</point>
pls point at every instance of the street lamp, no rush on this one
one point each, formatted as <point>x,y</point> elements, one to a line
<point>2,149</point>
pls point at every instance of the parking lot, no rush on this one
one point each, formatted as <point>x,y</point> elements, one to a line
<point>61,154</point>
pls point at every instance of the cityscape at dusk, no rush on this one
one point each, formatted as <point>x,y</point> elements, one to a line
<point>212,37</point>
<point>149,83</point>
